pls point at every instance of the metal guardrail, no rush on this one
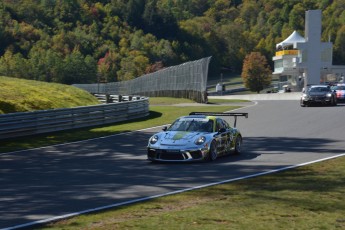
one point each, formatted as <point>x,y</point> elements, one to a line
<point>110,98</point>
<point>45,121</point>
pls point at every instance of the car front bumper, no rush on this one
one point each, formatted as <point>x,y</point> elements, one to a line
<point>316,99</point>
<point>176,155</point>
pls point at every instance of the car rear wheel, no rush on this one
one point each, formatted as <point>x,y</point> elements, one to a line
<point>238,145</point>
<point>212,155</point>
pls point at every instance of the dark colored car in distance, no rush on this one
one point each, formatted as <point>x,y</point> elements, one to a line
<point>318,94</point>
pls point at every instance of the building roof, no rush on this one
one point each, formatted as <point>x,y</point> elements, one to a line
<point>293,39</point>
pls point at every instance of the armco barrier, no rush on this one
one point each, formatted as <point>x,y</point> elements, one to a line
<point>45,121</point>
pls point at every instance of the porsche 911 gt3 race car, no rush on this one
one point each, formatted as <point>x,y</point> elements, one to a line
<point>201,136</point>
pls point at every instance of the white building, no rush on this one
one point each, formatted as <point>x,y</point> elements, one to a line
<point>300,61</point>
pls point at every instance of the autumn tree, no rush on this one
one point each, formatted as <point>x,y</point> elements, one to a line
<point>132,66</point>
<point>256,74</point>
<point>108,66</point>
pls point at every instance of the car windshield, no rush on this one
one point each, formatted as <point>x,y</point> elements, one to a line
<point>340,87</point>
<point>319,89</point>
<point>192,125</point>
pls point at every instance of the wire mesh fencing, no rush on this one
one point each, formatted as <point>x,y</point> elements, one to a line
<point>187,80</point>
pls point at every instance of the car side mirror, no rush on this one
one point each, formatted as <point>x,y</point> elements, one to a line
<point>165,128</point>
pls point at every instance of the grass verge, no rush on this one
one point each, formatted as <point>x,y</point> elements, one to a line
<point>309,197</point>
<point>20,95</point>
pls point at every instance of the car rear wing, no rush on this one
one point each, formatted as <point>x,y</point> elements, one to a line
<point>222,114</point>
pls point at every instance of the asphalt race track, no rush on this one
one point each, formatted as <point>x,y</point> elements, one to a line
<point>44,183</point>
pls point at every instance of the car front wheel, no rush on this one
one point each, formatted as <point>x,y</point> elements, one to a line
<point>302,103</point>
<point>334,101</point>
<point>212,155</point>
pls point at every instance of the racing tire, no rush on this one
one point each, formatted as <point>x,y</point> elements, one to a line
<point>238,145</point>
<point>212,154</point>
<point>331,102</point>
<point>334,101</point>
<point>302,103</point>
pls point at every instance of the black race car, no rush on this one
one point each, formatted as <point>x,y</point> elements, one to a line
<point>318,94</point>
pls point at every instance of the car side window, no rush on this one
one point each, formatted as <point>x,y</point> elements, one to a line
<point>226,125</point>
<point>207,127</point>
<point>219,124</point>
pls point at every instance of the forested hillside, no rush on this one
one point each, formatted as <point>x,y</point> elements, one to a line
<point>83,41</point>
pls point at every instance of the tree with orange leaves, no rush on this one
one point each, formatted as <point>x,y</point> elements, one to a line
<point>256,73</point>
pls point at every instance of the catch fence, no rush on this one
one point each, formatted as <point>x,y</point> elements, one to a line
<point>188,80</point>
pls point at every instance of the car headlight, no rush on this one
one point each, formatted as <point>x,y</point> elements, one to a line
<point>201,140</point>
<point>304,96</point>
<point>329,95</point>
<point>153,139</point>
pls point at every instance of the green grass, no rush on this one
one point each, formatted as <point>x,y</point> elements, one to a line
<point>309,197</point>
<point>176,101</point>
<point>168,100</point>
<point>230,80</point>
<point>225,101</point>
<point>234,78</point>
<point>20,95</point>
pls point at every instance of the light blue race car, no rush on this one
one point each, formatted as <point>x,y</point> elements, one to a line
<point>201,136</point>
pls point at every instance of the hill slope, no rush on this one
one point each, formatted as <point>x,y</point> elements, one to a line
<point>19,95</point>
<point>73,41</point>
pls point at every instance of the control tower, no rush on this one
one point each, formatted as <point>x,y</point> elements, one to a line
<point>306,60</point>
